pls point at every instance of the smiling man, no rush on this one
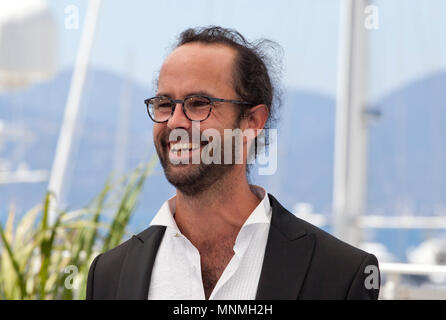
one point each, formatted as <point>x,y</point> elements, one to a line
<point>220,237</point>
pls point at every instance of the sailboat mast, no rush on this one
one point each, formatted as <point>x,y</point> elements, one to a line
<point>68,127</point>
<point>350,159</point>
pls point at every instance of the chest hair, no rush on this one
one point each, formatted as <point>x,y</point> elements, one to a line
<point>214,259</point>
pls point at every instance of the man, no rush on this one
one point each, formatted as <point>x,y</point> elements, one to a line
<point>220,237</point>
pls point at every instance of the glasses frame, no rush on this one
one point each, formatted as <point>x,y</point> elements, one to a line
<point>174,102</point>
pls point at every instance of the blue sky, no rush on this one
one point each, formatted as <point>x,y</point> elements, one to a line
<point>133,37</point>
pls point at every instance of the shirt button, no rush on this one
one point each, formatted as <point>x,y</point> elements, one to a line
<point>177,235</point>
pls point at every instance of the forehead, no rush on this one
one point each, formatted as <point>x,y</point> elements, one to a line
<point>197,67</point>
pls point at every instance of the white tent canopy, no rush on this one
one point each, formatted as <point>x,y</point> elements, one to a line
<point>27,43</point>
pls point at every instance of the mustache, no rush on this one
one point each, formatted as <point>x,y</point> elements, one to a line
<point>165,136</point>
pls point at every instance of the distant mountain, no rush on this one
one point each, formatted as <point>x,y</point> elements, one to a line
<point>407,150</point>
<point>407,153</point>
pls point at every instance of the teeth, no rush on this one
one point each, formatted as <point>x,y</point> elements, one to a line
<point>184,146</point>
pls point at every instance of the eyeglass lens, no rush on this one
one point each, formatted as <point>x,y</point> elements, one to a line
<point>197,108</point>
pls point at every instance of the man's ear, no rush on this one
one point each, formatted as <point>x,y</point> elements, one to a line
<point>252,124</point>
<point>256,117</point>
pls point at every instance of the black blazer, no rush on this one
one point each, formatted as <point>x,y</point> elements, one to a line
<point>301,262</point>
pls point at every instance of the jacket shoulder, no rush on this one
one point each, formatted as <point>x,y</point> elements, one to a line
<point>105,270</point>
<point>337,269</point>
<point>330,245</point>
<point>293,226</point>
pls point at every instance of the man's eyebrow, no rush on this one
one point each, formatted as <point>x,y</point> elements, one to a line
<point>193,93</point>
<point>199,93</point>
<point>160,94</point>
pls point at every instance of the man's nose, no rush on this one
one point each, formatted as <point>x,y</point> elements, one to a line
<point>178,119</point>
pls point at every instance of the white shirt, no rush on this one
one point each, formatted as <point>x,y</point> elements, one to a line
<point>176,273</point>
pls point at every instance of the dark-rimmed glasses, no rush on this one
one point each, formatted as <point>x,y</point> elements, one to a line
<point>195,107</point>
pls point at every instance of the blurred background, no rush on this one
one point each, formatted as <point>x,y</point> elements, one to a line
<point>361,139</point>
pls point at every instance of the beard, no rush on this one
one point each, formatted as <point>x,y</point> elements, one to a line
<point>196,178</point>
<point>191,179</point>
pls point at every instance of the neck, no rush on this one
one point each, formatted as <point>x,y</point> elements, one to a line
<point>219,211</point>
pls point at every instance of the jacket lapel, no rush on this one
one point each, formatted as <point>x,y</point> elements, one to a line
<point>287,256</point>
<point>137,266</point>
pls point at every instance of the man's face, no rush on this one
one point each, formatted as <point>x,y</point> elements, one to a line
<point>196,69</point>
